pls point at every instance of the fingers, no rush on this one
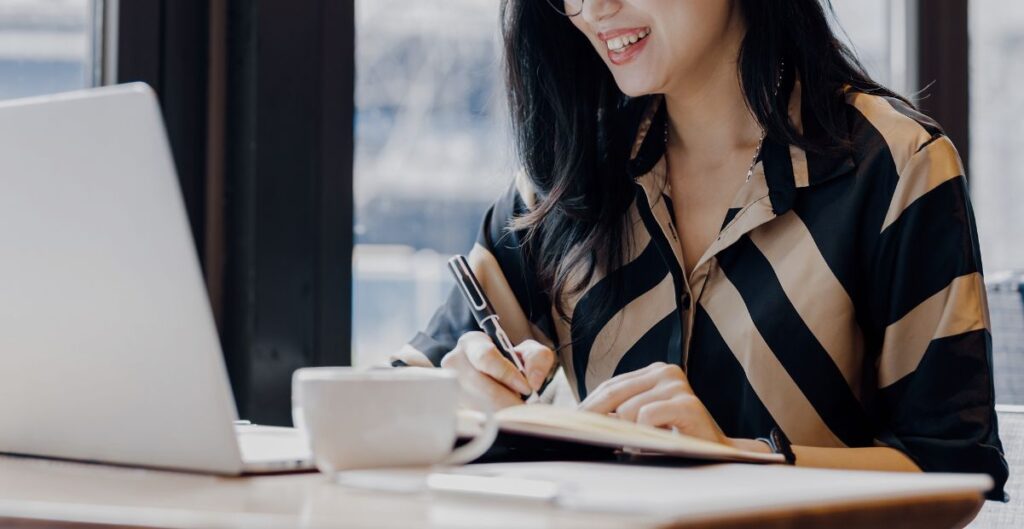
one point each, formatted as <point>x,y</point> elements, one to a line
<point>658,395</point>
<point>609,396</point>
<point>476,382</point>
<point>615,391</point>
<point>629,409</point>
<point>485,358</point>
<point>498,395</point>
<point>680,411</point>
<point>644,371</point>
<point>538,360</point>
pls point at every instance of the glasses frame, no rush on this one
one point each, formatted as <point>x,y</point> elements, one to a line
<point>561,11</point>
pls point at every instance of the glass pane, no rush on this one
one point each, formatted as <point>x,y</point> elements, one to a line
<point>997,154</point>
<point>45,46</point>
<point>864,24</point>
<point>432,152</point>
<point>997,149</point>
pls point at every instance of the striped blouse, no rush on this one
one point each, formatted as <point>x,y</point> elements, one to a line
<point>842,300</point>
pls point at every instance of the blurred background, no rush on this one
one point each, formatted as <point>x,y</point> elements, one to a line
<point>324,243</point>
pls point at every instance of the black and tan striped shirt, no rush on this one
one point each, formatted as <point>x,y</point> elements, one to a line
<point>842,299</point>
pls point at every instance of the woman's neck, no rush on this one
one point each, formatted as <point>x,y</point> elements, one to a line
<point>707,111</point>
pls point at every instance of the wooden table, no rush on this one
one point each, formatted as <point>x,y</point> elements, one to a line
<point>37,493</point>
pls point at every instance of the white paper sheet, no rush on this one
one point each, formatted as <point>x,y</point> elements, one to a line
<point>695,492</point>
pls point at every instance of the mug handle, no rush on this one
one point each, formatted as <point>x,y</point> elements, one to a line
<point>479,445</point>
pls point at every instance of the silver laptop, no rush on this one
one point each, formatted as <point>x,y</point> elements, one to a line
<point>108,349</point>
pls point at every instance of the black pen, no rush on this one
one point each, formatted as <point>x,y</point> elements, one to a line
<point>484,314</point>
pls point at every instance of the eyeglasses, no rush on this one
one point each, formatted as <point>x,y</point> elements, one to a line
<point>569,8</point>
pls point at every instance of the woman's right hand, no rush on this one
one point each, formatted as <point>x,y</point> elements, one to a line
<point>482,370</point>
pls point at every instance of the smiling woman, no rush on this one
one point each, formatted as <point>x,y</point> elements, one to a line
<point>724,226</point>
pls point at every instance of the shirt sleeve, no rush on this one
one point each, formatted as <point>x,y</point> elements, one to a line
<point>508,279</point>
<point>934,371</point>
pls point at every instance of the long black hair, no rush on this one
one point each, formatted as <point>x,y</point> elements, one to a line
<point>574,128</point>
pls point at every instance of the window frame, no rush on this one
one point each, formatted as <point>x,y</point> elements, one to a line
<point>939,32</point>
<point>266,174</point>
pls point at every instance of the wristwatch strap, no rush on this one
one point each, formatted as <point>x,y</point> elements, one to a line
<point>779,444</point>
<point>783,445</point>
<point>769,442</point>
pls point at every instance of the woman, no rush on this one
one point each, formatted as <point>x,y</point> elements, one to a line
<point>724,226</point>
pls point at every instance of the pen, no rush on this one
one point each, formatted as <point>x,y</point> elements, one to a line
<point>484,314</point>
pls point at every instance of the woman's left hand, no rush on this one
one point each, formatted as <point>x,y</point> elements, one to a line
<point>657,395</point>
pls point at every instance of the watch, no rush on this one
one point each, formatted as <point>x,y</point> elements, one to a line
<point>779,444</point>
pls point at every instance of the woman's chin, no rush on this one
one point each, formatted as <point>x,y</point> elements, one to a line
<point>635,87</point>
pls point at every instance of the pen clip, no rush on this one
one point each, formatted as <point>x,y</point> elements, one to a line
<point>466,278</point>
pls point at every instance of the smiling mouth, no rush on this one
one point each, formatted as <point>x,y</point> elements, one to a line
<point>622,43</point>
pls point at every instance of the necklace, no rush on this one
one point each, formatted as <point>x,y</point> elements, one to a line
<point>760,142</point>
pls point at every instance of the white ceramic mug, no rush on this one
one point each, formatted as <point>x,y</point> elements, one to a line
<point>358,419</point>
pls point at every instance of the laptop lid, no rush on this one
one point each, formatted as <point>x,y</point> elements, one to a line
<point>108,348</point>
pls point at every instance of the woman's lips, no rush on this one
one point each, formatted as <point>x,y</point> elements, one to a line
<point>619,58</point>
<point>609,35</point>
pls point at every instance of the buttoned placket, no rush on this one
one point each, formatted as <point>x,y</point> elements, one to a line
<point>755,209</point>
<point>754,201</point>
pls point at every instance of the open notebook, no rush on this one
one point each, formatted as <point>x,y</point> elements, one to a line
<point>567,424</point>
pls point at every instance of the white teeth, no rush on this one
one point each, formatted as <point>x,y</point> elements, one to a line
<point>619,44</point>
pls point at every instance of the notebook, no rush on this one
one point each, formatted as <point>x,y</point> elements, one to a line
<point>572,425</point>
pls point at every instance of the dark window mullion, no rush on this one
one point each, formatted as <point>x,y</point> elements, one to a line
<point>942,62</point>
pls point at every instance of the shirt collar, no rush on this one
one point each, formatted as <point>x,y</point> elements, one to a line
<point>786,167</point>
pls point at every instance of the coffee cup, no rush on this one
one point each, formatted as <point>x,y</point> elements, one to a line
<point>400,417</point>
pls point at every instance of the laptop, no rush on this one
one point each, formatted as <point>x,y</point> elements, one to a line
<point>108,348</point>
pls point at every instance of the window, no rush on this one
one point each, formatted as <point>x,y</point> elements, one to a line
<point>46,46</point>
<point>433,150</point>
<point>866,25</point>
<point>997,104</point>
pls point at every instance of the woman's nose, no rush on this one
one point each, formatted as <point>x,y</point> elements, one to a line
<point>598,10</point>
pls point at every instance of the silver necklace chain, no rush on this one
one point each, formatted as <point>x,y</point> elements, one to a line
<point>760,142</point>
